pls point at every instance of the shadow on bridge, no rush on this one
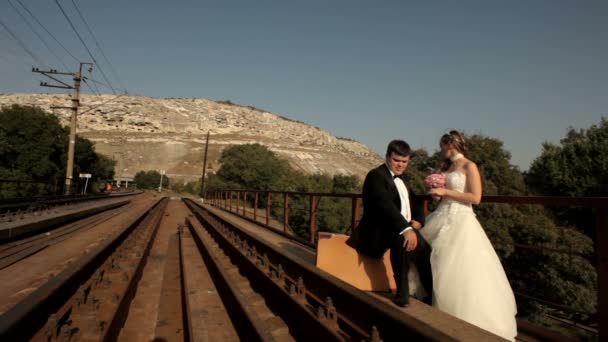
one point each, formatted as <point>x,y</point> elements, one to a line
<point>271,209</point>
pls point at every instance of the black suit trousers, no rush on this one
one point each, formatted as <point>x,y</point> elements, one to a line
<point>400,261</point>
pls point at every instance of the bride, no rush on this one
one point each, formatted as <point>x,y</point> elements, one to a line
<point>468,279</point>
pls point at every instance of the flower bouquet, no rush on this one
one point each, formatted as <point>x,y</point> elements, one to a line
<point>435,180</point>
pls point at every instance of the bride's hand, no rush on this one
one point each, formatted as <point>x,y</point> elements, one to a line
<point>438,192</point>
<point>416,224</point>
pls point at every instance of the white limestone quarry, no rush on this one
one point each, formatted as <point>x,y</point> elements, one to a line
<point>144,133</point>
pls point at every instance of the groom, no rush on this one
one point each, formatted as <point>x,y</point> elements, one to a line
<point>391,219</point>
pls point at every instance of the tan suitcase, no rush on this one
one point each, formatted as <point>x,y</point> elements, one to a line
<point>335,257</point>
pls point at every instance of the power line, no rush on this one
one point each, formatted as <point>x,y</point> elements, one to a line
<point>21,44</point>
<point>12,57</point>
<point>103,103</point>
<point>98,44</point>
<point>96,91</point>
<point>85,80</point>
<point>85,46</point>
<point>37,34</point>
<point>103,84</point>
<point>91,89</point>
<point>47,31</point>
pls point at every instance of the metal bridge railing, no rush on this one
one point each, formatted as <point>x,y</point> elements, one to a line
<point>258,206</point>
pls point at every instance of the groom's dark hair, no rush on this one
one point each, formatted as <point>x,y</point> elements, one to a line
<point>399,147</point>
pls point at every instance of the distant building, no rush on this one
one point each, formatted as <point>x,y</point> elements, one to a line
<point>123,182</point>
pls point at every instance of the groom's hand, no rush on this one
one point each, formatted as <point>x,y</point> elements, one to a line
<point>410,240</point>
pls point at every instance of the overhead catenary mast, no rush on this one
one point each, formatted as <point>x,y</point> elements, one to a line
<point>75,104</point>
<point>202,192</point>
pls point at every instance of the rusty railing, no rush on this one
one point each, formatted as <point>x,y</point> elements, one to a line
<point>239,202</point>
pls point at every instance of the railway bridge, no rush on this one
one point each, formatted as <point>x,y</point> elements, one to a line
<point>148,266</point>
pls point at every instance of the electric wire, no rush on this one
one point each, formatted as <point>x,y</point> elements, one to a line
<point>104,84</point>
<point>103,103</point>
<point>85,45</point>
<point>21,44</point>
<point>85,80</point>
<point>47,31</point>
<point>12,58</point>
<point>37,34</point>
<point>98,44</point>
<point>91,89</point>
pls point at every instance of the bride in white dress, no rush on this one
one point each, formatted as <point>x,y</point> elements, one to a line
<point>469,281</point>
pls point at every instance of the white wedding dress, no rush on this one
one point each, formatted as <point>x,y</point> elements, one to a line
<point>468,279</point>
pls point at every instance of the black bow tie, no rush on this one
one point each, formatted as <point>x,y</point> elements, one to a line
<point>395,176</point>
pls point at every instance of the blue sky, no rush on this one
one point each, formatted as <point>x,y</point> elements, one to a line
<point>520,71</point>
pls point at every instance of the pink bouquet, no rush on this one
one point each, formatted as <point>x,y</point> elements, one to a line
<point>435,180</point>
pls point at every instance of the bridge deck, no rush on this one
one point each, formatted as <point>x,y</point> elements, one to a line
<point>434,318</point>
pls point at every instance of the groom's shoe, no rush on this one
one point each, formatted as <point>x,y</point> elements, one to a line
<point>402,301</point>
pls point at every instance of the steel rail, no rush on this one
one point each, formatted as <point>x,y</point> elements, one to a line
<point>53,303</point>
<point>302,322</point>
<point>11,253</point>
<point>43,222</point>
<point>23,203</point>
<point>357,313</point>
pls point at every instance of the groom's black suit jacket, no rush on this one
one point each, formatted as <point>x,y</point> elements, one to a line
<point>382,220</point>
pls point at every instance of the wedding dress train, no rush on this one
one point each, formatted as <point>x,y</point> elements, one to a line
<point>469,281</point>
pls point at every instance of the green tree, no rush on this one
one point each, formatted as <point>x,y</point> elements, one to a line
<point>333,214</point>
<point>577,167</point>
<point>345,184</point>
<point>192,187</point>
<point>86,160</point>
<point>215,183</point>
<point>255,167</point>
<point>177,187</point>
<point>150,180</point>
<point>499,176</point>
<point>251,166</point>
<point>33,147</point>
<point>33,142</point>
<point>103,167</point>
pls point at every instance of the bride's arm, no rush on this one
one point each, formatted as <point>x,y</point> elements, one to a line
<point>472,188</point>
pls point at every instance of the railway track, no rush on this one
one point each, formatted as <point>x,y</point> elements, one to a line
<point>312,305</point>
<point>89,300</point>
<point>15,251</point>
<point>29,205</point>
<point>212,282</point>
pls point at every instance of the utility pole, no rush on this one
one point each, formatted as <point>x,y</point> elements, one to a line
<point>74,108</point>
<point>160,186</point>
<point>202,193</point>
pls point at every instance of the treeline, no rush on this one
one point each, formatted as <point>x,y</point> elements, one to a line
<point>151,180</point>
<point>253,166</point>
<point>578,166</point>
<point>33,155</point>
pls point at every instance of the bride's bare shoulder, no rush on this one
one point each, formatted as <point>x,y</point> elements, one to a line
<point>469,166</point>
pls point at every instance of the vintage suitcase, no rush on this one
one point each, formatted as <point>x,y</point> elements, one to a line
<point>335,257</point>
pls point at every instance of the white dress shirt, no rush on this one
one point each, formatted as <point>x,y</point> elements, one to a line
<point>404,197</point>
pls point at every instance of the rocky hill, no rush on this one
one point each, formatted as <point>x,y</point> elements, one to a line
<point>143,133</point>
